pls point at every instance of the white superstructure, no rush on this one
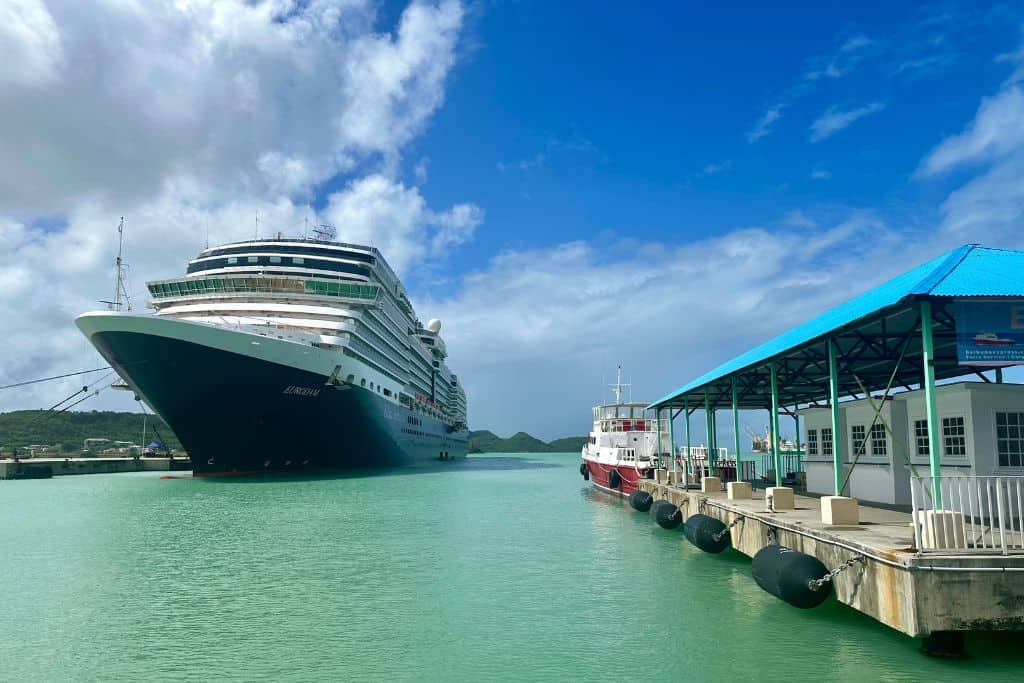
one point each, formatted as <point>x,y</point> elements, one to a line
<point>623,435</point>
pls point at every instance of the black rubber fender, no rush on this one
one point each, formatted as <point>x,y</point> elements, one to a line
<point>584,471</point>
<point>666,515</point>
<point>787,573</point>
<point>701,531</point>
<point>614,479</point>
<point>640,500</point>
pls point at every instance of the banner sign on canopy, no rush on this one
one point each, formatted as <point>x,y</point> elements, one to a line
<point>990,332</point>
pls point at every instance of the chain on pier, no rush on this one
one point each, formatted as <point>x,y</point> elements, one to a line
<point>736,520</point>
<point>816,584</point>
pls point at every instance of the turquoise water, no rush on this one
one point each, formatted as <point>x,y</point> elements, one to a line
<point>500,568</point>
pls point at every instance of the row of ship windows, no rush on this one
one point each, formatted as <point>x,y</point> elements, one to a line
<point>318,264</point>
<point>291,249</point>
<point>261,285</point>
<point>417,432</point>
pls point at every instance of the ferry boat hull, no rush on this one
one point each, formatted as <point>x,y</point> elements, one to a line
<point>245,403</point>
<point>629,477</point>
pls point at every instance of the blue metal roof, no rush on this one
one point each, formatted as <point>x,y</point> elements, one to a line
<point>969,270</point>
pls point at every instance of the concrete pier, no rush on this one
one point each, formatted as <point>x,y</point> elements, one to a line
<point>11,469</point>
<point>917,594</point>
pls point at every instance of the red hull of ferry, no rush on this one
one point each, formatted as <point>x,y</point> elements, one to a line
<point>600,474</point>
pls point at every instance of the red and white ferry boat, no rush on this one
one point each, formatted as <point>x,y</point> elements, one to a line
<point>623,446</point>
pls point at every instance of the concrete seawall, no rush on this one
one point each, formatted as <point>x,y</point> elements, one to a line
<point>37,467</point>
<point>918,594</point>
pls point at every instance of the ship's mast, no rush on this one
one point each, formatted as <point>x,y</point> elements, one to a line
<point>120,289</point>
<point>619,385</point>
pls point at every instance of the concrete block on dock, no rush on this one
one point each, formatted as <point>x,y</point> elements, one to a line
<point>942,529</point>
<point>661,475</point>
<point>840,511</point>
<point>710,485</point>
<point>675,478</point>
<point>779,498</point>
<point>739,490</point>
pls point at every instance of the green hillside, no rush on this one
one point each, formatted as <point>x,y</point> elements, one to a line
<point>24,427</point>
<point>485,441</point>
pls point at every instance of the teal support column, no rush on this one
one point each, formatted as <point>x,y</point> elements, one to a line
<point>796,438</point>
<point>833,401</point>
<point>999,375</point>
<point>796,431</point>
<point>657,434</point>
<point>707,422</point>
<point>929,400</point>
<point>776,456</point>
<point>689,460</point>
<point>672,439</point>
<point>736,426</point>
<point>713,451</point>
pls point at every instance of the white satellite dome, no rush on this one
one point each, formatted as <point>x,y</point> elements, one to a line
<point>434,325</point>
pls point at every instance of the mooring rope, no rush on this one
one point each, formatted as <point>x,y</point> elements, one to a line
<point>47,379</point>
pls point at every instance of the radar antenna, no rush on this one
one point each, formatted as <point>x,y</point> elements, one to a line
<point>325,232</point>
<point>120,288</point>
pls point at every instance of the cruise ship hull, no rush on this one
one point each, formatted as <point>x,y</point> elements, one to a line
<point>243,403</point>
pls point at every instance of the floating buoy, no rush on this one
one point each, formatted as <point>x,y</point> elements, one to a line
<point>787,574</point>
<point>707,533</point>
<point>585,471</point>
<point>614,479</point>
<point>666,514</point>
<point>640,500</point>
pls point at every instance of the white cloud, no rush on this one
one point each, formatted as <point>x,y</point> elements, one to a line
<point>712,169</point>
<point>30,45</point>
<point>835,120</point>
<point>1017,59</point>
<point>856,43</point>
<point>235,97</point>
<point>192,116</point>
<point>545,324</point>
<point>991,204</point>
<point>765,123</point>
<point>385,213</point>
<point>997,130</point>
<point>820,174</point>
<point>988,207</point>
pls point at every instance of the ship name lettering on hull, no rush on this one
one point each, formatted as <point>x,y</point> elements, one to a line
<point>301,391</point>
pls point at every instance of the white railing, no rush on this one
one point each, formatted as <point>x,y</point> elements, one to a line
<point>976,514</point>
<point>701,452</point>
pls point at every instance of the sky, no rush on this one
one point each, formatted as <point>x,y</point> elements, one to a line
<point>568,187</point>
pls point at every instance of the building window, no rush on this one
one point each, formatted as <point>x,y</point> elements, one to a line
<point>812,442</point>
<point>252,259</point>
<point>953,440</point>
<point>232,260</point>
<point>857,434</point>
<point>879,447</point>
<point>1010,439</point>
<point>921,437</point>
<point>275,259</point>
<point>826,441</point>
<point>298,260</point>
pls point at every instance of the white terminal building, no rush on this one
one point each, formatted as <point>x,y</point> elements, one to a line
<point>981,433</point>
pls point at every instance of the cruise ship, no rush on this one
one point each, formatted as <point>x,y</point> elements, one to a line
<point>289,354</point>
